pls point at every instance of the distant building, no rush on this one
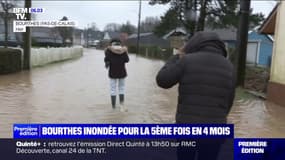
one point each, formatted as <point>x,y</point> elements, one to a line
<point>228,35</point>
<point>44,36</point>
<point>177,38</point>
<point>78,37</point>
<point>259,49</point>
<point>110,35</point>
<point>148,39</point>
<point>93,38</point>
<point>179,31</point>
<point>98,35</point>
<point>13,38</point>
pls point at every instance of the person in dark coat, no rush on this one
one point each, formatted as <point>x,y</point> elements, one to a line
<point>206,81</point>
<point>116,56</point>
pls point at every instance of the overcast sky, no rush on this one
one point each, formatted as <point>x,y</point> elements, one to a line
<point>104,12</point>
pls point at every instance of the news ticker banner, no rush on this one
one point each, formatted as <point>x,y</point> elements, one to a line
<point>139,149</point>
<point>21,22</point>
<point>105,140</point>
<point>123,131</point>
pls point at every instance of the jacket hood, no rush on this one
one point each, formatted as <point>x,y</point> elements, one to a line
<point>205,41</point>
<point>118,49</point>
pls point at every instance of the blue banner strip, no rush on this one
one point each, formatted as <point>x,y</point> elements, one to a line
<point>123,130</point>
<point>259,149</point>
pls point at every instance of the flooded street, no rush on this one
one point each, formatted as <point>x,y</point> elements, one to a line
<point>77,91</point>
<point>257,118</point>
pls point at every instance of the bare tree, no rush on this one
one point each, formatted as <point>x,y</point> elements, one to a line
<point>94,27</point>
<point>149,24</point>
<point>113,27</point>
<point>5,14</point>
<point>128,28</point>
<point>66,33</point>
<point>54,34</point>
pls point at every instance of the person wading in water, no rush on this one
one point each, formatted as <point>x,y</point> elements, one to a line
<point>116,55</point>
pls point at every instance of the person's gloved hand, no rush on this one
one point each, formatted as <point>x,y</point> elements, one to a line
<point>107,64</point>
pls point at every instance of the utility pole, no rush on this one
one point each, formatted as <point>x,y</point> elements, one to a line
<point>139,27</point>
<point>190,13</point>
<point>242,36</point>
<point>27,39</point>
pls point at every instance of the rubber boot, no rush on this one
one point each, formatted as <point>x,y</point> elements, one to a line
<point>113,100</point>
<point>122,106</point>
<point>122,98</point>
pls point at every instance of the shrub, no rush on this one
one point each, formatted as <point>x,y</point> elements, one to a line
<point>152,52</point>
<point>10,60</point>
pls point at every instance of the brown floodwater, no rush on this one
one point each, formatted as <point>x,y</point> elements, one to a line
<point>77,91</point>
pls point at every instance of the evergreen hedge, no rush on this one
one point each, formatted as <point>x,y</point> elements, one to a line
<point>152,52</point>
<point>10,60</point>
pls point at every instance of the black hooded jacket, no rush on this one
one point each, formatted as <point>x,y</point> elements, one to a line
<point>206,80</point>
<point>115,59</point>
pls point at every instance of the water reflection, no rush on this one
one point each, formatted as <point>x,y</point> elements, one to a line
<point>256,118</point>
<point>77,91</point>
